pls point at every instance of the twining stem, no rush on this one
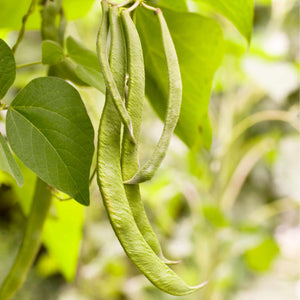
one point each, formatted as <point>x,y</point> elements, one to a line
<point>24,20</point>
<point>149,7</point>
<point>29,64</point>
<point>242,171</point>
<point>31,241</point>
<point>134,6</point>
<point>268,115</point>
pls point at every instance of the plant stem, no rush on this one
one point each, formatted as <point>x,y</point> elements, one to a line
<point>31,241</point>
<point>22,30</point>
<point>29,64</point>
<point>242,171</point>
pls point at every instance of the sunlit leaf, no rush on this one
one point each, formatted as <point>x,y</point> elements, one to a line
<point>240,13</point>
<point>62,236</point>
<point>260,258</point>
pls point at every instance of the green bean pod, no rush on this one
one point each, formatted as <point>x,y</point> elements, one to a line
<point>110,83</point>
<point>173,110</point>
<point>129,157</point>
<point>31,241</point>
<point>111,185</point>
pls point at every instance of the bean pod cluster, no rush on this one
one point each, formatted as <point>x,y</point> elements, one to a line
<point>118,171</point>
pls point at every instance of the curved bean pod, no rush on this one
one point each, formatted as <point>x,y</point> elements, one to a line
<point>107,73</point>
<point>31,241</point>
<point>112,189</point>
<point>129,158</point>
<point>173,110</point>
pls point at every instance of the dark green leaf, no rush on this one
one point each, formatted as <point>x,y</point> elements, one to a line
<point>88,69</point>
<point>240,13</point>
<point>49,130</point>
<point>7,68</point>
<point>52,53</point>
<point>8,163</point>
<point>199,45</point>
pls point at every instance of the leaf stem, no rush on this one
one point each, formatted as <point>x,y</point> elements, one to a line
<point>149,7</point>
<point>24,20</point>
<point>29,64</point>
<point>134,6</point>
<point>31,241</point>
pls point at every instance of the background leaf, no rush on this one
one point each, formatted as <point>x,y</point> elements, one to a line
<point>7,68</point>
<point>88,69</point>
<point>261,257</point>
<point>199,56</point>
<point>240,13</point>
<point>8,163</point>
<point>62,236</point>
<point>49,130</point>
<point>52,53</point>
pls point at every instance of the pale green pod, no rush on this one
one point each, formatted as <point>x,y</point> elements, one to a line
<point>110,83</point>
<point>147,171</point>
<point>112,189</point>
<point>129,159</point>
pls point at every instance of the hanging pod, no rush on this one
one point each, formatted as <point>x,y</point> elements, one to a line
<point>111,185</point>
<point>173,109</point>
<point>129,158</point>
<point>101,45</point>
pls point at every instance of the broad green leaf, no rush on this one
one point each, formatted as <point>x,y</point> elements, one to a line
<point>62,236</point>
<point>199,45</point>
<point>8,163</point>
<point>88,69</point>
<point>260,258</point>
<point>7,68</point>
<point>240,13</point>
<point>49,130</point>
<point>52,53</point>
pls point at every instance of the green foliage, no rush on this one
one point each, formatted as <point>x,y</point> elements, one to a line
<point>49,130</point>
<point>62,236</point>
<point>87,69</point>
<point>261,256</point>
<point>240,13</point>
<point>199,56</point>
<point>8,163</point>
<point>7,68</point>
<point>52,53</point>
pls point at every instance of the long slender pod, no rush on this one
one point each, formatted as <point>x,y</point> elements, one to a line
<point>129,157</point>
<point>107,73</point>
<point>31,241</point>
<point>112,189</point>
<point>173,110</point>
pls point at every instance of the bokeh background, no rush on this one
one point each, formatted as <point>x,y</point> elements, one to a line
<point>230,213</point>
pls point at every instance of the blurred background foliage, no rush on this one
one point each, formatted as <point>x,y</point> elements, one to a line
<point>230,213</point>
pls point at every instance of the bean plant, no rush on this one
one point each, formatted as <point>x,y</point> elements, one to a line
<point>145,50</point>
